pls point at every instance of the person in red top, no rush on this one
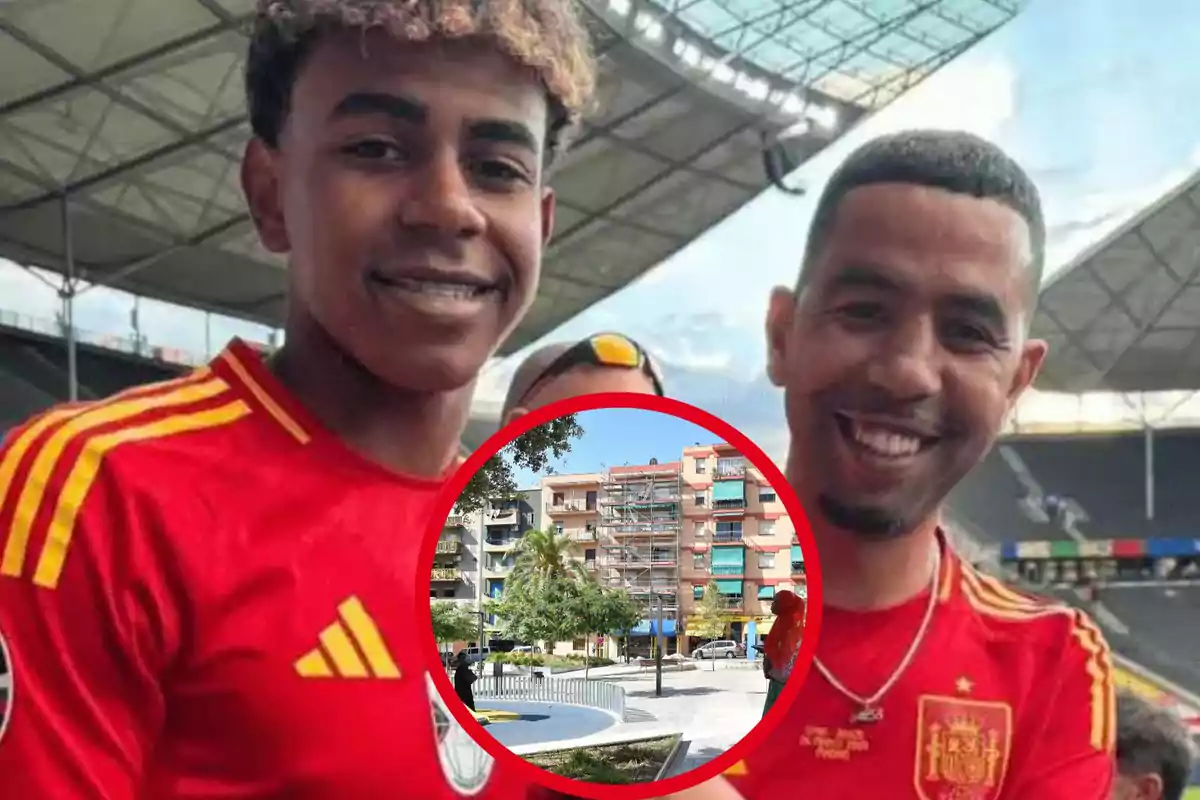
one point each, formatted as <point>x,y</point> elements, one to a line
<point>901,351</point>
<point>207,585</point>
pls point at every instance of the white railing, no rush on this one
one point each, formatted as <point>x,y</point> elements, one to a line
<point>595,694</point>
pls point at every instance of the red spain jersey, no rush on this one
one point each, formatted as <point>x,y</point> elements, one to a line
<point>1008,698</point>
<point>205,595</point>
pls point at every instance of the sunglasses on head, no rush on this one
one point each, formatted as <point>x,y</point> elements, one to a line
<point>605,350</point>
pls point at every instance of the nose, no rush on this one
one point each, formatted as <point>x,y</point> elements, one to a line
<point>439,198</point>
<point>909,367</point>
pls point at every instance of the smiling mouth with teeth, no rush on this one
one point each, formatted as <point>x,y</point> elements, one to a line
<point>881,442</point>
<point>435,288</point>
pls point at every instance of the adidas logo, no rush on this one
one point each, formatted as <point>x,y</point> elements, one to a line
<point>350,648</point>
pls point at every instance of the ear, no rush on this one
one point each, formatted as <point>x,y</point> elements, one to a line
<point>261,186</point>
<point>1033,355</point>
<point>781,315</point>
<point>1149,786</point>
<point>549,206</point>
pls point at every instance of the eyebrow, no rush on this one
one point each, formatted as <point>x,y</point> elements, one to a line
<point>366,104</point>
<point>979,304</point>
<point>406,109</point>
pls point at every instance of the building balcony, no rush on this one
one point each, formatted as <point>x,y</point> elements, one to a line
<point>570,507</point>
<point>502,516</point>
<point>729,508</point>
<point>506,543</point>
<point>729,570</point>
<point>590,565</point>
<point>448,547</point>
<point>446,575</point>
<point>732,602</point>
<point>727,537</point>
<point>730,469</point>
<point>456,521</point>
<point>580,534</point>
<point>497,571</point>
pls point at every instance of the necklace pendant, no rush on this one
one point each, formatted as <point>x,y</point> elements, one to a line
<point>866,715</point>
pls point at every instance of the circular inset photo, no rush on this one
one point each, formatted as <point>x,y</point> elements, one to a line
<point>623,597</point>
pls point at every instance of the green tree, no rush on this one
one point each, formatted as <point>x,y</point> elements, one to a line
<point>453,623</point>
<point>532,450</point>
<point>545,554</point>
<point>604,610</point>
<point>709,618</point>
<point>539,609</point>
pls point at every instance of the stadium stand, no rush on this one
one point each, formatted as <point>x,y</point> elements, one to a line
<point>41,363</point>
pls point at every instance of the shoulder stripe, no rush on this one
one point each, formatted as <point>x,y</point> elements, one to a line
<point>14,456</point>
<point>1101,687</point>
<point>262,396</point>
<point>87,466</point>
<point>80,423</point>
<point>29,434</point>
<point>990,596</point>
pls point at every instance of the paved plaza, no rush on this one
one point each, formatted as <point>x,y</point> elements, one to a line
<point>712,709</point>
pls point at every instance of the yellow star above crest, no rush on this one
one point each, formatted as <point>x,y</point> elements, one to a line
<point>964,685</point>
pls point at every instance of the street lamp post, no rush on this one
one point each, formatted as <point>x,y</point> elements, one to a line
<point>658,651</point>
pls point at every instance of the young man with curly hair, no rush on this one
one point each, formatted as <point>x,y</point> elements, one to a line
<point>206,585</point>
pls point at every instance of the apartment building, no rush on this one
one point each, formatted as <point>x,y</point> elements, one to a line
<point>737,535</point>
<point>640,525</point>
<point>502,526</point>
<point>456,560</point>
<point>571,503</point>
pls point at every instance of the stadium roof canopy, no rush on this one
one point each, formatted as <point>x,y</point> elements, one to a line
<point>133,109</point>
<point>1124,316</point>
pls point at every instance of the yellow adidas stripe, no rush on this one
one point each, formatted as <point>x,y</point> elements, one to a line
<point>30,499</point>
<point>341,642</point>
<point>1102,728</point>
<point>364,631</point>
<point>337,643</point>
<point>1102,689</point>
<point>261,395</point>
<point>87,467</point>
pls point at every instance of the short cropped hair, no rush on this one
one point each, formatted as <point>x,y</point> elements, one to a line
<point>953,161</point>
<point>544,35</point>
<point>1152,740</point>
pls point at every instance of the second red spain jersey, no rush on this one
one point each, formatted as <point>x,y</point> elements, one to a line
<point>1008,698</point>
<point>205,595</point>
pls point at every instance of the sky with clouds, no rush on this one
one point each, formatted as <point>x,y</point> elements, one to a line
<point>1094,97</point>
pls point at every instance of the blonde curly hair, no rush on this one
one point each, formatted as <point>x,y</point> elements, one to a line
<point>545,35</point>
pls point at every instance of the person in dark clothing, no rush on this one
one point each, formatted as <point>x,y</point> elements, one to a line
<point>463,681</point>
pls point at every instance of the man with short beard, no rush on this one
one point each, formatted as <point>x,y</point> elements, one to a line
<point>900,351</point>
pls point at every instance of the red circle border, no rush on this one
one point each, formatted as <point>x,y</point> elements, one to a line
<point>514,763</point>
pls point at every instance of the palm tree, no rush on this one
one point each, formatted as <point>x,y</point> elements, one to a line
<point>545,555</point>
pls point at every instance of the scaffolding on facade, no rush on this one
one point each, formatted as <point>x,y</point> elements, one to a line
<point>641,519</point>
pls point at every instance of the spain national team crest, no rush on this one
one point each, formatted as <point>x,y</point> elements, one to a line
<point>962,748</point>
<point>6,686</point>
<point>465,765</point>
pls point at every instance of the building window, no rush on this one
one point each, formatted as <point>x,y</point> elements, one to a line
<point>699,560</point>
<point>701,466</point>
<point>698,530</point>
<point>700,499</point>
<point>766,560</point>
<point>558,499</point>
<point>766,527</point>
<point>766,495</point>
<point>766,592</point>
<point>558,528</point>
<point>697,592</point>
<point>577,644</point>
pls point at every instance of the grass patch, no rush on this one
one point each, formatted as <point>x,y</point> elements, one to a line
<point>635,762</point>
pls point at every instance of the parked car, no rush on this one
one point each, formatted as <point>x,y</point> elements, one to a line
<point>722,648</point>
